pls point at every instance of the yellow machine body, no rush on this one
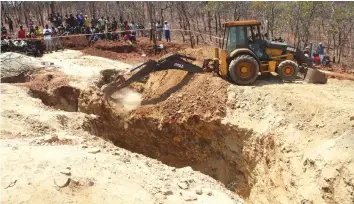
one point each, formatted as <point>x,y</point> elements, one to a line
<point>271,52</point>
<point>223,63</point>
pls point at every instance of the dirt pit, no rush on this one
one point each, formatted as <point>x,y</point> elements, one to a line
<point>175,119</point>
<point>179,123</point>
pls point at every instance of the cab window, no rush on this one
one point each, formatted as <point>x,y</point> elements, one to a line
<point>253,34</point>
<point>236,38</point>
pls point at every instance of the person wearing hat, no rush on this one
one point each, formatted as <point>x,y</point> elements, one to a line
<point>320,51</point>
<point>167,32</point>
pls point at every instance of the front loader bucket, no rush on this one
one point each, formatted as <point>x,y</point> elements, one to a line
<point>302,59</point>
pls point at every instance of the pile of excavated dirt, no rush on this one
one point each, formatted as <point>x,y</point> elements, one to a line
<point>122,50</point>
<point>180,95</point>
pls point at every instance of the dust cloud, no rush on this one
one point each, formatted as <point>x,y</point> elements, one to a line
<point>128,99</point>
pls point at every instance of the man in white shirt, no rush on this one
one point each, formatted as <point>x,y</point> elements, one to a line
<point>167,31</point>
<point>47,35</point>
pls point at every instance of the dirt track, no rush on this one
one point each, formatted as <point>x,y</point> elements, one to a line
<point>270,143</point>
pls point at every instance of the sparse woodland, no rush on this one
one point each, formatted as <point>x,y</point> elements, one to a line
<point>297,22</point>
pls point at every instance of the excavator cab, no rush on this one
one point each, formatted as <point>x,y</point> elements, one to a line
<point>244,35</point>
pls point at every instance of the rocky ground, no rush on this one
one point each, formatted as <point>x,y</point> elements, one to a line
<point>271,142</point>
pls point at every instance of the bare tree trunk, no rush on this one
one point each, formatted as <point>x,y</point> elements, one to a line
<point>272,22</point>
<point>181,25</point>
<point>3,13</point>
<point>209,23</point>
<point>48,9</point>
<point>40,12</point>
<point>187,22</point>
<point>334,45</point>
<point>219,23</point>
<point>153,28</point>
<point>216,23</point>
<point>52,7</point>
<point>106,9</point>
<point>196,19</point>
<point>92,8</point>
<point>161,15</point>
<point>350,45</point>
<point>236,18</point>
<point>204,24</point>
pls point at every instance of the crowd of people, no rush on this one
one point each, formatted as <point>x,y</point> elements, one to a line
<point>317,54</point>
<point>94,29</point>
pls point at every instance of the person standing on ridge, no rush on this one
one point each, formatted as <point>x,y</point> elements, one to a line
<point>86,21</point>
<point>108,29</point>
<point>80,20</point>
<point>47,33</point>
<point>320,51</point>
<point>133,27</point>
<point>102,24</point>
<point>167,32</point>
<point>11,26</point>
<point>93,21</point>
<point>159,30</point>
<point>38,32</point>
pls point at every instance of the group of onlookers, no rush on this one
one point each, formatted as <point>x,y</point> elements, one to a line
<point>160,28</point>
<point>94,29</point>
<point>318,54</point>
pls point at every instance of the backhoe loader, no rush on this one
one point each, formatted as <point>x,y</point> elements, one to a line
<point>243,56</point>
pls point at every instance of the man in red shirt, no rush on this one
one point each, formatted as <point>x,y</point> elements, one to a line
<point>21,33</point>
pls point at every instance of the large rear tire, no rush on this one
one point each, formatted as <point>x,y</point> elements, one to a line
<point>243,70</point>
<point>288,70</point>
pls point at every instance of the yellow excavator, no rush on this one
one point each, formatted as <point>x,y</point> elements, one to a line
<point>244,55</point>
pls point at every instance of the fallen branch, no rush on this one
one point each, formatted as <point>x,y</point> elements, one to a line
<point>11,184</point>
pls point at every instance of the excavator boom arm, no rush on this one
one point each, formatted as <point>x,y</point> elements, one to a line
<point>175,61</point>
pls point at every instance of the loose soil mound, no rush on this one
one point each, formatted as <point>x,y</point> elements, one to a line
<point>182,95</point>
<point>122,50</point>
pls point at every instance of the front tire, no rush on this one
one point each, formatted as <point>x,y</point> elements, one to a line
<point>288,70</point>
<point>243,70</point>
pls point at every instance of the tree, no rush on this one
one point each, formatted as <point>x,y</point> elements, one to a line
<point>151,10</point>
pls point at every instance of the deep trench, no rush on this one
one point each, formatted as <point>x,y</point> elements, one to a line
<point>63,98</point>
<point>210,147</point>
